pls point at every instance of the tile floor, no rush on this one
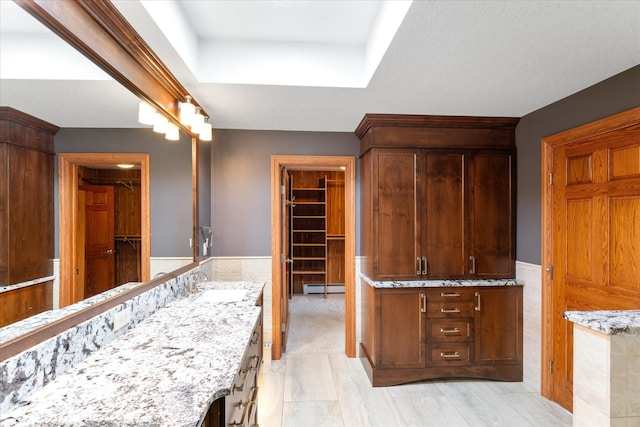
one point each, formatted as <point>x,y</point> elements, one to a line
<point>314,384</point>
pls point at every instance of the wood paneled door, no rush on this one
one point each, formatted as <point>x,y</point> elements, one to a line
<point>99,241</point>
<point>591,241</point>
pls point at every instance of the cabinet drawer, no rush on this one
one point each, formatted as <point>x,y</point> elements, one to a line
<point>446,330</point>
<point>449,309</point>
<point>458,354</point>
<point>451,294</point>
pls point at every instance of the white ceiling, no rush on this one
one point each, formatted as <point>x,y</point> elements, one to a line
<point>489,58</point>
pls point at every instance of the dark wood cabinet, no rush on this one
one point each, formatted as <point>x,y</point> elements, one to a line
<point>26,212</point>
<point>411,334</point>
<point>401,341</point>
<point>498,326</point>
<point>438,197</point>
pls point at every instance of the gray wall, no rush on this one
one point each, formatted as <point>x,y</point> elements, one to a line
<point>611,96</point>
<point>170,174</point>
<point>241,181</point>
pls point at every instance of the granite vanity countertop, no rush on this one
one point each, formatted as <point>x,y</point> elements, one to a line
<point>164,372</point>
<point>609,322</point>
<point>439,283</point>
<point>14,330</point>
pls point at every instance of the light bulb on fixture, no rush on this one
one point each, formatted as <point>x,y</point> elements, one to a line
<point>197,122</point>
<point>187,111</point>
<point>160,123</point>
<point>146,113</point>
<point>206,133</point>
<point>173,132</point>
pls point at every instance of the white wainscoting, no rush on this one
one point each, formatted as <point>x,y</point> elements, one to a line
<point>531,274</point>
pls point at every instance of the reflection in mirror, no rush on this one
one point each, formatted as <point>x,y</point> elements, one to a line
<point>43,77</point>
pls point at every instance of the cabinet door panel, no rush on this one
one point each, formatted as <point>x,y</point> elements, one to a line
<point>401,329</point>
<point>443,227</point>
<point>396,222</point>
<point>491,221</point>
<point>498,325</point>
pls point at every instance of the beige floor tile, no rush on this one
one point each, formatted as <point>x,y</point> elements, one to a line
<point>429,411</point>
<point>480,405</point>
<point>362,404</point>
<point>316,414</point>
<point>308,378</point>
<point>271,393</point>
<point>538,410</point>
<point>316,324</point>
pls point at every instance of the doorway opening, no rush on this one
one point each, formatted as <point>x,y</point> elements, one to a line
<point>323,258</point>
<point>104,223</point>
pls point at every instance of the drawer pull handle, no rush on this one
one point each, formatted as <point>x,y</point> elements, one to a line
<point>423,306</point>
<point>452,294</point>
<point>450,331</point>
<point>419,270</point>
<point>424,266</point>
<point>248,408</point>
<point>479,302</point>
<point>450,310</point>
<point>255,338</point>
<point>454,355</point>
<point>257,359</point>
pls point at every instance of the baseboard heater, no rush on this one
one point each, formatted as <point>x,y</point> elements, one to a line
<point>318,288</point>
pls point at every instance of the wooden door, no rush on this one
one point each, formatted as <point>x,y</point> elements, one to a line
<point>286,271</point>
<point>396,237</point>
<point>498,325</point>
<point>595,189</point>
<point>443,216</point>
<point>99,239</point>
<point>492,215</point>
<point>401,322</point>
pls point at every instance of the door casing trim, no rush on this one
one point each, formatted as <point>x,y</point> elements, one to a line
<point>68,165</point>
<point>348,164</point>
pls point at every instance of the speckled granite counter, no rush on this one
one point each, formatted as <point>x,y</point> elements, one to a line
<point>440,283</point>
<point>9,332</point>
<point>165,372</point>
<point>606,367</point>
<point>26,284</point>
<point>609,322</point>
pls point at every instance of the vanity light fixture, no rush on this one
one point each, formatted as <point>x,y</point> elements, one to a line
<point>187,111</point>
<point>146,113</point>
<point>173,132</point>
<point>197,121</point>
<point>160,123</point>
<point>206,133</point>
<point>125,165</point>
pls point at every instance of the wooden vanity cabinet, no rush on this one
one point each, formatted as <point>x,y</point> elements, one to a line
<point>240,407</point>
<point>412,334</point>
<point>438,197</point>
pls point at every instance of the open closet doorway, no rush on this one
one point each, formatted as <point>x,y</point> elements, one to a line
<point>104,223</point>
<point>313,237</point>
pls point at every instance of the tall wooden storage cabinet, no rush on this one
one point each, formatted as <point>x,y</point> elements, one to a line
<point>26,211</point>
<point>438,197</point>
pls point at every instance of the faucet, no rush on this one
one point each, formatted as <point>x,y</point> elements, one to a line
<point>193,279</point>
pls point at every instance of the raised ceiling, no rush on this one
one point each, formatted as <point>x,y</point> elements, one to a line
<point>321,65</point>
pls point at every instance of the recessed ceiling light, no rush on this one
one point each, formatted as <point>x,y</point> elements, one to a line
<point>125,165</point>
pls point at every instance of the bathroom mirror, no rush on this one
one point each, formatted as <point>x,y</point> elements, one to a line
<point>96,114</point>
